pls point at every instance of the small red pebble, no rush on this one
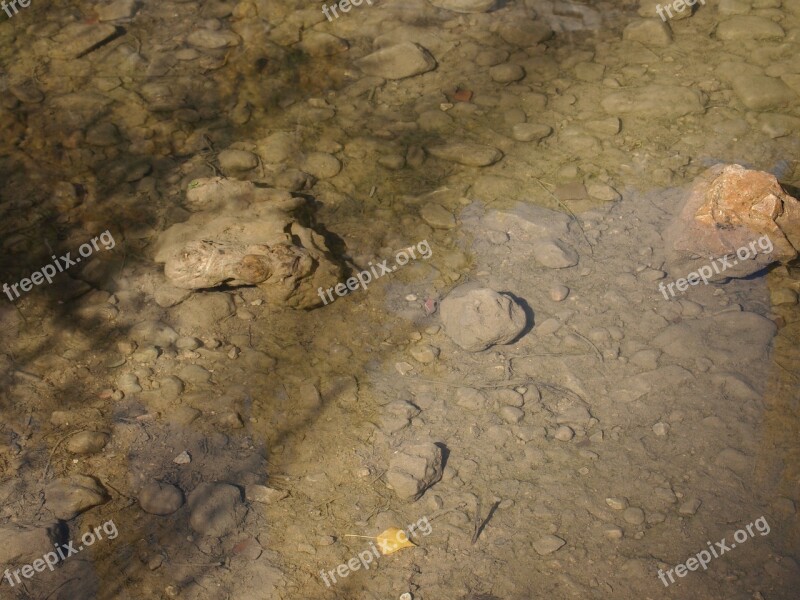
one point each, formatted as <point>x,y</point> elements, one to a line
<point>430,306</point>
<point>462,95</point>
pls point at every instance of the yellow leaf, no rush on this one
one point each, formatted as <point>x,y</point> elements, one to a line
<point>392,540</point>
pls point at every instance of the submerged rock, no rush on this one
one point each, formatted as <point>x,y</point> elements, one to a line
<point>735,214</point>
<point>476,319</point>
<point>414,469</point>
<point>158,498</point>
<point>265,244</point>
<point>465,6</point>
<point>70,496</point>
<point>23,543</point>
<point>398,62</point>
<point>471,155</point>
<point>217,509</point>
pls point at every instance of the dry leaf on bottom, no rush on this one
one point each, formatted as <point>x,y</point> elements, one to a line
<point>390,541</point>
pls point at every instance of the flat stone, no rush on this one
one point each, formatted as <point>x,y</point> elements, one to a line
<point>525,32</point>
<point>714,338</point>
<point>604,127</point>
<point>397,62</point>
<point>548,544</point>
<point>749,27</point>
<point>437,216</point>
<point>87,442</point>
<point>70,496</point>
<point>264,494</point>
<point>554,254</point>
<point>727,8</point>
<point>530,132</point>
<point>589,71</point>
<point>633,515</point>
<point>524,219</point>
<point>689,506</point>
<point>511,414</point>
<point>318,43</point>
<point>211,40</point>
<point>506,73</point>
<point>195,374</point>
<point>658,101</point>
<point>603,192</point>
<point>322,165</point>
<point>759,92</point>
<point>76,39</point>
<point>24,543</point>
<point>116,10</point>
<point>465,153</point>
<point>470,398</point>
<point>736,461</point>
<point>424,353</point>
<point>617,502</point>
<point>232,160</point>
<point>650,32</point>
<point>465,6</point>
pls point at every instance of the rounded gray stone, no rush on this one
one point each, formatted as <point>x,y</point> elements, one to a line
<point>158,498</point>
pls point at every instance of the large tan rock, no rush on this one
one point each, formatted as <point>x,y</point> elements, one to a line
<point>729,209</point>
<point>248,236</point>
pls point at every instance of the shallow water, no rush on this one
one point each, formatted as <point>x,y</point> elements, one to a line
<point>611,441</point>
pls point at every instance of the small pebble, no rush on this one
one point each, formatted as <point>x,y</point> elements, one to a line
<point>548,544</point>
<point>403,368</point>
<point>497,237</point>
<point>182,459</point>
<point>633,515</point>
<point>424,353</point>
<point>690,506</point>
<point>613,532</point>
<point>411,298</point>
<point>558,293</point>
<point>620,503</point>
<point>660,428</point>
<point>564,434</point>
<point>511,414</point>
